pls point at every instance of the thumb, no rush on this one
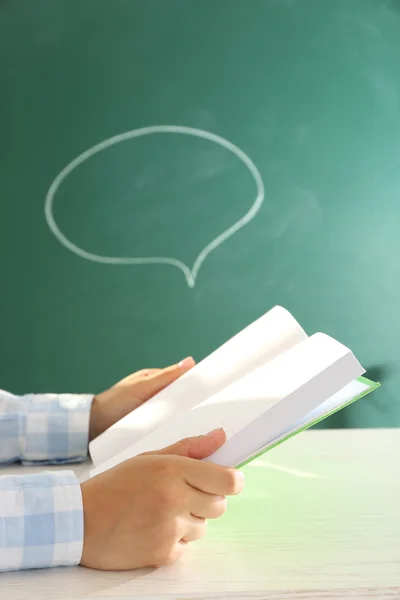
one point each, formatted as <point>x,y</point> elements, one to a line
<point>196,447</point>
<point>161,378</point>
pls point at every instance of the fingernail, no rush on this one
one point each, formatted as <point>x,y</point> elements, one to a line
<point>240,476</point>
<point>210,433</point>
<point>186,362</point>
<point>239,481</point>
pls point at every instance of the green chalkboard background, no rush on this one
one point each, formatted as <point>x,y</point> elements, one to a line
<point>308,89</point>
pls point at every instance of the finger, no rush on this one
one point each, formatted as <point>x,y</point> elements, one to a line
<point>164,377</point>
<point>198,447</point>
<point>138,376</point>
<point>146,373</point>
<point>213,479</point>
<point>194,529</point>
<point>204,476</point>
<point>206,506</point>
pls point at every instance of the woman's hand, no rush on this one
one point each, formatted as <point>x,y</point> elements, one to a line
<point>114,404</point>
<point>145,511</point>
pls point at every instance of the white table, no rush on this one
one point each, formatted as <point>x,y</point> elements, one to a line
<point>319,518</point>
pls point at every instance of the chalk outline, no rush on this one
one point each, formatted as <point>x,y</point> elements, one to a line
<point>190,274</point>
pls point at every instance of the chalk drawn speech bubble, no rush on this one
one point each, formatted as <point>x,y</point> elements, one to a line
<point>189,273</point>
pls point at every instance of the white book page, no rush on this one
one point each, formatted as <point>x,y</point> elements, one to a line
<point>291,409</point>
<point>341,398</point>
<point>244,401</point>
<point>270,335</point>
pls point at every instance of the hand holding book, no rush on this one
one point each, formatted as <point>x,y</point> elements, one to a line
<point>267,383</point>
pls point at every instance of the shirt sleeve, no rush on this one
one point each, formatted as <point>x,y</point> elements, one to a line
<point>41,521</point>
<point>44,428</point>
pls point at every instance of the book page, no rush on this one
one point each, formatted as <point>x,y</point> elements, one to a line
<point>243,402</point>
<point>339,371</point>
<point>350,392</point>
<point>267,337</point>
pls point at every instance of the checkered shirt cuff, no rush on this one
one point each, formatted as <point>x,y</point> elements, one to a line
<point>41,521</point>
<point>44,428</point>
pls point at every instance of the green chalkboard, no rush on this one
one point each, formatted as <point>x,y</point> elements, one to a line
<point>144,130</point>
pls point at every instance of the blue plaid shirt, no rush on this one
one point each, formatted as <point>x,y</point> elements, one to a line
<point>41,515</point>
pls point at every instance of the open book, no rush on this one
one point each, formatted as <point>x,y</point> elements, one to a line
<point>267,383</point>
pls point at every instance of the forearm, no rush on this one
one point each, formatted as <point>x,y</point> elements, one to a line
<point>44,428</point>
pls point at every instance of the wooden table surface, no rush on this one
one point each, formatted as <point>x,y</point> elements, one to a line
<point>319,519</point>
